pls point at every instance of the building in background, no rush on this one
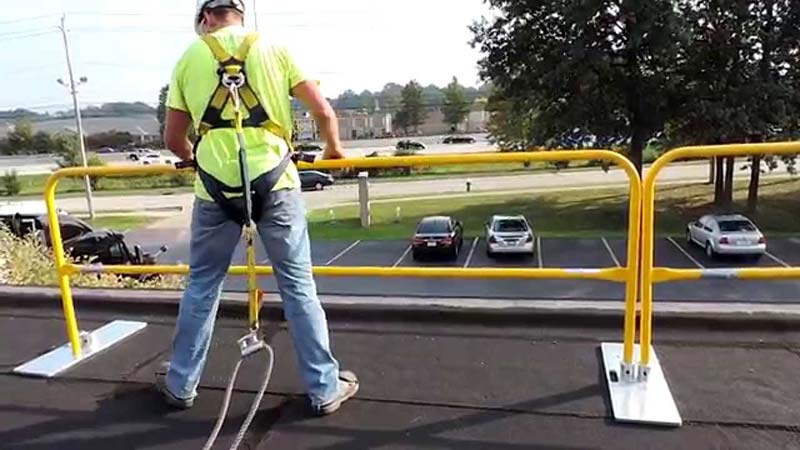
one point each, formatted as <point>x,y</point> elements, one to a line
<point>354,125</point>
<point>363,125</point>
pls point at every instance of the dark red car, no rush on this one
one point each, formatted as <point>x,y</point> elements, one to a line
<point>439,235</point>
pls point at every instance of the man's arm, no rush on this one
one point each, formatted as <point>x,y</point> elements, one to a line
<point>309,93</point>
<point>176,134</point>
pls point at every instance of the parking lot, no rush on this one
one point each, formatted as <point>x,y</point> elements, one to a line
<point>551,252</point>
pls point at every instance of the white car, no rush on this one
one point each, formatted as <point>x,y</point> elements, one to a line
<point>509,235</point>
<point>732,234</point>
<point>156,158</point>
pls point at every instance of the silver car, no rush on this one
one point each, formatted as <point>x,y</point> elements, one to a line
<point>732,234</point>
<point>509,235</point>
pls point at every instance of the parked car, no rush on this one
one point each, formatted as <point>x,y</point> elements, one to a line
<point>410,145</point>
<point>106,151</point>
<point>138,154</point>
<point>312,179</point>
<point>439,235</point>
<point>459,140</point>
<point>22,217</point>
<point>308,148</point>
<point>732,234</point>
<point>156,158</point>
<point>81,241</point>
<point>108,247</point>
<point>509,235</point>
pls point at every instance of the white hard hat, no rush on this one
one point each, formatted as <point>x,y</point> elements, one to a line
<point>203,5</point>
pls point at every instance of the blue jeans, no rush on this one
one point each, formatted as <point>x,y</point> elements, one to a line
<point>284,232</point>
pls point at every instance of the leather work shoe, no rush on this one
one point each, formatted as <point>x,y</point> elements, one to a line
<point>168,397</point>
<point>348,386</point>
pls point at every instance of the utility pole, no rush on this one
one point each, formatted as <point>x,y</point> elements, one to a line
<point>73,89</point>
<point>255,14</point>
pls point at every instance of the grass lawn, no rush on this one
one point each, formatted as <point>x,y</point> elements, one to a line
<point>33,185</point>
<point>121,222</point>
<point>590,212</point>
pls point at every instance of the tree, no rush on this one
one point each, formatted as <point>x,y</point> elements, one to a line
<point>509,125</point>
<point>161,110</point>
<point>588,73</point>
<point>737,71</point>
<point>456,105</point>
<point>20,139</point>
<point>111,138</point>
<point>413,110</point>
<point>68,150</point>
<point>66,147</point>
<point>42,142</point>
<point>401,120</point>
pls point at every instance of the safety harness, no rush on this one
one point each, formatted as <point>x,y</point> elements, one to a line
<point>234,88</point>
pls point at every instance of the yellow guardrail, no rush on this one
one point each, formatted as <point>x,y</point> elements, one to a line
<point>628,275</point>
<point>651,275</point>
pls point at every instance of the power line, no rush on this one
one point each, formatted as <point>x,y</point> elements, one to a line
<point>27,19</point>
<point>26,36</point>
<point>35,30</point>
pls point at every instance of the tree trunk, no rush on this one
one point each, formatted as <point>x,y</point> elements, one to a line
<point>718,180</point>
<point>728,191</point>
<point>755,176</point>
<point>637,148</point>
<point>712,170</point>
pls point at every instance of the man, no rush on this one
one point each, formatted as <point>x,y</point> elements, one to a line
<point>272,76</point>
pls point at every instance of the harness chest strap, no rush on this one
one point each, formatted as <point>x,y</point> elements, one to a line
<point>234,65</point>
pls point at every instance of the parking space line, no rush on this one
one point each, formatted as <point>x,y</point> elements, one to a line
<point>342,253</point>
<point>402,257</point>
<point>777,260</point>
<point>471,252</point>
<point>685,253</point>
<point>539,251</point>
<point>610,251</point>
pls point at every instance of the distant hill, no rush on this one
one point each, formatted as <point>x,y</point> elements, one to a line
<point>115,109</point>
<point>134,124</point>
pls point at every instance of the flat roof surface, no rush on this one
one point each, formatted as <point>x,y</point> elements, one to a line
<point>438,382</point>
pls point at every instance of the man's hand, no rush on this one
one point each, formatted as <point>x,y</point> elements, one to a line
<point>333,153</point>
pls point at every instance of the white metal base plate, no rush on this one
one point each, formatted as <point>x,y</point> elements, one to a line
<point>648,402</point>
<point>60,359</point>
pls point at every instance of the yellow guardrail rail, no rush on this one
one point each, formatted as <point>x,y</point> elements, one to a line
<point>628,275</point>
<point>651,275</point>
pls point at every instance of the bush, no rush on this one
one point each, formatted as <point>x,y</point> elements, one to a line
<point>182,179</point>
<point>95,161</point>
<point>27,262</point>
<point>11,184</point>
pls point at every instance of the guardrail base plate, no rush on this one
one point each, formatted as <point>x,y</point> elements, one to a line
<point>648,402</point>
<point>60,359</point>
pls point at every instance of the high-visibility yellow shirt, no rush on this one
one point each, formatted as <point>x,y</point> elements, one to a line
<point>271,73</point>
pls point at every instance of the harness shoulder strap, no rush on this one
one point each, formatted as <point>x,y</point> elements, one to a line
<point>245,46</point>
<point>219,51</point>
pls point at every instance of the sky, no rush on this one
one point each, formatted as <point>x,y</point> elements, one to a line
<point>127,49</point>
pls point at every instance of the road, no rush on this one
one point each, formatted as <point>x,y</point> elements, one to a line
<point>409,188</point>
<point>41,164</point>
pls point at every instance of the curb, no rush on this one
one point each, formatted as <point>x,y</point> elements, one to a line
<point>591,314</point>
